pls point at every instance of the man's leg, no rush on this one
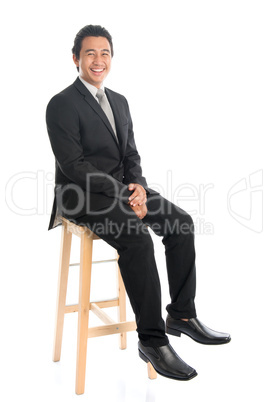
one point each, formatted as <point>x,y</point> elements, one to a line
<point>177,231</point>
<point>176,228</point>
<point>123,230</point>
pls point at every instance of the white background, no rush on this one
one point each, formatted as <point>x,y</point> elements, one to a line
<point>195,76</point>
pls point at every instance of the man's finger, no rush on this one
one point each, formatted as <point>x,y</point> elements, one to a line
<point>137,192</point>
<point>139,200</point>
<point>134,195</point>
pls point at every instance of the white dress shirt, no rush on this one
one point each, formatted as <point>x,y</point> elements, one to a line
<point>93,90</point>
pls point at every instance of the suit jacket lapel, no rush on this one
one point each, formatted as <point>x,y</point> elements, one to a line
<point>95,106</point>
<point>118,120</point>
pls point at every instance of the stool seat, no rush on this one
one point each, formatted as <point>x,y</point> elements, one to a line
<point>85,304</point>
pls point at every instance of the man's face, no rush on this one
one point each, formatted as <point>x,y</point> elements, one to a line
<point>95,60</point>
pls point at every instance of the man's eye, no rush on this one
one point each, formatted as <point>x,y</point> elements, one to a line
<point>90,54</point>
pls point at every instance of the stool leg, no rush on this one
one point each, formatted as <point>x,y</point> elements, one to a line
<point>66,239</point>
<point>83,311</point>
<point>122,306</point>
<point>152,374</point>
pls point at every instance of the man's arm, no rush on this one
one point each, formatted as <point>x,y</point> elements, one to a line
<point>132,160</point>
<point>132,169</point>
<point>64,132</point>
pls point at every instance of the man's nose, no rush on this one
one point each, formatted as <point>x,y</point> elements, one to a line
<point>98,59</point>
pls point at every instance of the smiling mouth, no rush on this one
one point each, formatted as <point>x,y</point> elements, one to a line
<point>97,71</point>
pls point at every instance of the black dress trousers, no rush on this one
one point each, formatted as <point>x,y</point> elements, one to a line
<point>120,227</point>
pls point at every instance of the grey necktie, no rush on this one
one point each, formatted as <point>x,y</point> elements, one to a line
<point>105,105</point>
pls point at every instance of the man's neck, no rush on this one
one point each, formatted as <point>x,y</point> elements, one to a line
<point>92,89</point>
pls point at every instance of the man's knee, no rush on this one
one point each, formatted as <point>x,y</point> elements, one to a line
<point>186,224</point>
<point>141,240</point>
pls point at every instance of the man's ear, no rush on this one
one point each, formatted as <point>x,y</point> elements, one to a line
<point>76,61</point>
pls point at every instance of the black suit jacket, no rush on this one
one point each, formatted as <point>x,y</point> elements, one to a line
<point>93,167</point>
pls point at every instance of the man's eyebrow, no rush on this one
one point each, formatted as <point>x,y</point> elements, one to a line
<point>94,50</point>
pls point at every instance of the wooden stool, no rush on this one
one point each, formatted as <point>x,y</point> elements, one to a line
<point>84,304</point>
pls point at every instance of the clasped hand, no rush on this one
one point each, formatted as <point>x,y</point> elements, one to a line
<point>137,200</point>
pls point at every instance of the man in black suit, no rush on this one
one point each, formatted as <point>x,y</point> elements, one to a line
<point>99,183</point>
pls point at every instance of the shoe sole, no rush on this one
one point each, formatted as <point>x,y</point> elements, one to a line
<point>172,331</point>
<point>146,360</point>
<point>176,332</point>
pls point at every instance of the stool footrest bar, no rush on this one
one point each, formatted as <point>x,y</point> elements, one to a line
<point>116,328</point>
<point>73,308</point>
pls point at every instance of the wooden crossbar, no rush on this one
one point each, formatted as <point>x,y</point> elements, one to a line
<point>73,308</point>
<point>116,328</point>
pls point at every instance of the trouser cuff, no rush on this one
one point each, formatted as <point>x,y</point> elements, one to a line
<point>154,341</point>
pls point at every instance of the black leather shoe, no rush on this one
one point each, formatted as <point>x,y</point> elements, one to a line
<point>166,362</point>
<point>196,330</point>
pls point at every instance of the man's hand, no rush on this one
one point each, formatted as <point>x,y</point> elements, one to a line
<point>139,195</point>
<point>140,210</point>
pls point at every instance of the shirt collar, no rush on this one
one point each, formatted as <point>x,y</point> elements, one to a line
<point>93,90</point>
